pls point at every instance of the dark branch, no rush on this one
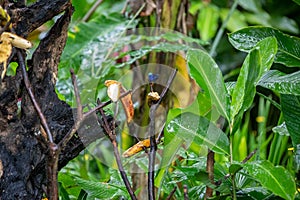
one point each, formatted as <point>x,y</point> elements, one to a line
<point>185,192</point>
<point>33,99</point>
<point>112,136</point>
<point>28,20</point>
<point>172,193</point>
<point>153,145</point>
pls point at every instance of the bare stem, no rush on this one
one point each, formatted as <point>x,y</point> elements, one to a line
<point>32,97</point>
<point>172,193</point>
<point>52,158</point>
<point>52,163</point>
<point>210,169</point>
<point>152,154</point>
<point>92,10</point>
<point>111,135</point>
<point>185,192</point>
<point>153,145</point>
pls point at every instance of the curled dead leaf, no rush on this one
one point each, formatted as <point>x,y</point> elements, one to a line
<point>153,96</point>
<point>7,41</point>
<point>141,145</point>
<point>114,90</point>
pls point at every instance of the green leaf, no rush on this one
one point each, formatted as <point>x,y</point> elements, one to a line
<point>288,46</point>
<point>209,77</point>
<point>12,69</point>
<point>103,31</point>
<point>251,5</point>
<point>281,82</point>
<point>63,192</point>
<point>276,179</point>
<point>191,127</point>
<point>187,128</point>
<point>235,167</point>
<point>290,106</point>
<point>207,22</point>
<point>235,22</point>
<point>244,91</point>
<point>259,60</point>
<point>87,50</point>
<point>102,190</point>
<point>255,193</point>
<point>297,1</point>
<point>170,150</point>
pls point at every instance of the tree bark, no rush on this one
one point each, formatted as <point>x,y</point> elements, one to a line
<point>22,150</point>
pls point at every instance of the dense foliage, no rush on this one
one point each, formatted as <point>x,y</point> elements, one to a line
<point>241,59</point>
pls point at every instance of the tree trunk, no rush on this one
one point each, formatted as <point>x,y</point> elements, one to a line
<point>23,153</point>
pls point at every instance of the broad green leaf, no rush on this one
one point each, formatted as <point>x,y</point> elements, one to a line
<point>284,23</point>
<point>170,150</point>
<point>63,192</point>
<point>187,128</point>
<point>235,22</point>
<point>102,190</point>
<point>235,167</point>
<point>87,50</point>
<point>251,5</point>
<point>288,46</point>
<point>290,107</point>
<point>297,1</point>
<point>172,143</point>
<point>281,82</point>
<point>209,77</point>
<point>99,35</point>
<point>254,193</point>
<point>191,127</point>
<point>244,91</point>
<point>276,179</point>
<point>207,22</point>
<point>258,61</point>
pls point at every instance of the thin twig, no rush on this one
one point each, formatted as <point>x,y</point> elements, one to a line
<point>102,105</point>
<point>152,153</point>
<point>112,137</point>
<point>210,170</point>
<point>92,10</point>
<point>76,125</point>
<point>249,156</point>
<point>52,158</point>
<point>185,192</point>
<point>172,193</point>
<point>32,97</point>
<point>153,145</point>
<point>168,85</point>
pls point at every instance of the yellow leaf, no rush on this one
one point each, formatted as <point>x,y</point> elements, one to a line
<point>141,145</point>
<point>7,41</point>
